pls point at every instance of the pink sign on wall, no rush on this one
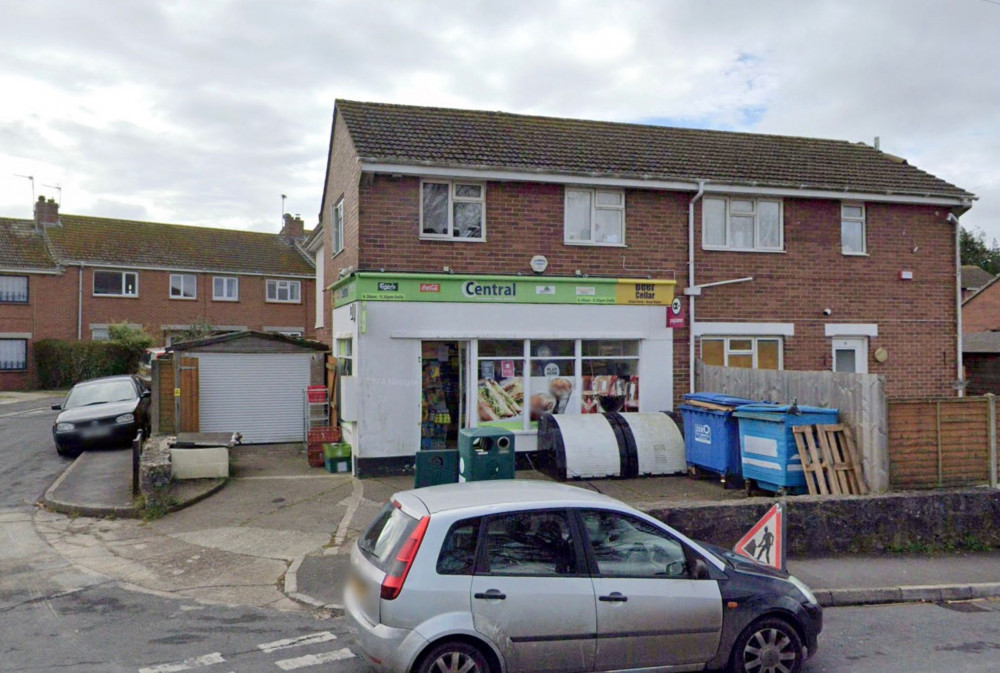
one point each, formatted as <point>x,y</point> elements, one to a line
<point>675,314</point>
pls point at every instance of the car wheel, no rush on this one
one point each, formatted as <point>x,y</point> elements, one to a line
<point>768,645</point>
<point>66,453</point>
<point>454,657</point>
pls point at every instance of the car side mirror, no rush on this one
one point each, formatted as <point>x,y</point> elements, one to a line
<point>700,570</point>
<point>56,407</point>
<point>145,393</point>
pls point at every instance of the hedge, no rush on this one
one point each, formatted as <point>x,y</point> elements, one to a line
<point>61,364</point>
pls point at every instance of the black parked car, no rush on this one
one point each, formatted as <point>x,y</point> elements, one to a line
<point>103,412</point>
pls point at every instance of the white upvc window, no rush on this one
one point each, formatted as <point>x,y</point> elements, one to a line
<point>594,216</point>
<point>116,283</point>
<point>748,352</point>
<point>284,291</point>
<point>183,286</point>
<point>13,289</point>
<point>338,227</point>
<point>852,228</point>
<point>13,355</point>
<point>452,210</point>
<point>225,288</point>
<point>742,223</point>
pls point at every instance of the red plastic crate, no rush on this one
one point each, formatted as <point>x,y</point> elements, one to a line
<point>316,394</point>
<point>316,456</point>
<point>323,435</point>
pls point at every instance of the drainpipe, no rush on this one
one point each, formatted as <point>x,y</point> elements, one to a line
<point>79,303</point>
<point>691,283</point>
<point>958,301</point>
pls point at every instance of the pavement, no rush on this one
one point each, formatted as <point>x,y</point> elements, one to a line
<point>277,533</point>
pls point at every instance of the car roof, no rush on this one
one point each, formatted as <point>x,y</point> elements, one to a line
<point>493,493</point>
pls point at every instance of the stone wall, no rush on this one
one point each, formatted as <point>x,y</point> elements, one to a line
<point>821,526</point>
<point>155,473</point>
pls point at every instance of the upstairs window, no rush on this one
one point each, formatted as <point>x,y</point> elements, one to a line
<point>284,291</point>
<point>737,223</point>
<point>225,288</point>
<point>594,216</point>
<point>450,210</point>
<point>338,226</point>
<point>13,289</point>
<point>183,286</point>
<point>116,283</point>
<point>852,228</point>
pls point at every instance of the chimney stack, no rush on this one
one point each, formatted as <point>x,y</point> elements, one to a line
<point>293,230</point>
<point>46,213</point>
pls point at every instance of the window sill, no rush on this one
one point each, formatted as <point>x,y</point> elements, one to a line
<point>279,301</point>
<point>183,298</point>
<point>116,296</point>
<point>855,254</point>
<point>15,303</point>
<point>751,250</point>
<point>230,301</point>
<point>589,244</point>
<point>451,239</point>
<point>337,254</point>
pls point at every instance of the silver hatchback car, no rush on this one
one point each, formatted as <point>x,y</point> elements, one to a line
<point>531,576</point>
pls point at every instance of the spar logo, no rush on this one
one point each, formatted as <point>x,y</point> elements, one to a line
<point>491,290</point>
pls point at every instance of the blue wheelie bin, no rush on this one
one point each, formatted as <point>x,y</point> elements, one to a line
<point>767,446</point>
<point>712,436</point>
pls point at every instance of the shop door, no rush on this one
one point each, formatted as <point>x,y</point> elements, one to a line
<point>850,355</point>
<point>442,400</point>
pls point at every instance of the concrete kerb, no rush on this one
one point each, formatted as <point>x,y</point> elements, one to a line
<point>79,509</point>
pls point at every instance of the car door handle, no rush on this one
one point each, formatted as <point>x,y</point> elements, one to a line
<point>613,597</point>
<point>492,594</point>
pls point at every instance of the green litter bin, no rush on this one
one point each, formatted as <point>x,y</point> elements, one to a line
<point>337,456</point>
<point>485,453</point>
<point>435,466</point>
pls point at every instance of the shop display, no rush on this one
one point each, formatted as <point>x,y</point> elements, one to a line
<point>440,395</point>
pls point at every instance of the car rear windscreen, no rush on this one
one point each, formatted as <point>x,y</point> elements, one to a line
<point>384,537</point>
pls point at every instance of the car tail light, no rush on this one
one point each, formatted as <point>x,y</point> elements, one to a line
<point>393,582</point>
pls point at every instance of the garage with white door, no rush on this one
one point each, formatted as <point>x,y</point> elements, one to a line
<point>252,383</point>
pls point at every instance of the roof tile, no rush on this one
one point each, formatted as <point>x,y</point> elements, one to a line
<point>499,140</point>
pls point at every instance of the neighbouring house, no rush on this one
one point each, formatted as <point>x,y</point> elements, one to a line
<point>974,279</point>
<point>70,277</point>
<point>487,267</point>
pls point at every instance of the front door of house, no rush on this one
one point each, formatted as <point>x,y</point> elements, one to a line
<point>850,354</point>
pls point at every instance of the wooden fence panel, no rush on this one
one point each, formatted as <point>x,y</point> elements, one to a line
<point>939,442</point>
<point>164,380</point>
<point>860,399</point>
<point>190,421</point>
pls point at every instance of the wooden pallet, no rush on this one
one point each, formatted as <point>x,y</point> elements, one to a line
<point>830,460</point>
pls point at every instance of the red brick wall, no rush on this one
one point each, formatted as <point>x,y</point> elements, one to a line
<point>154,308</point>
<point>916,318</point>
<point>341,182</point>
<point>982,314</point>
<point>49,314</point>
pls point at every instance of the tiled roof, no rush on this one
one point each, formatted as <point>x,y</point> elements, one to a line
<point>497,140</point>
<point>21,247</point>
<point>974,277</point>
<point>149,244</point>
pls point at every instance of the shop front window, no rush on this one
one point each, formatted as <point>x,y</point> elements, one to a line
<point>553,378</point>
<point>500,390</point>
<point>610,376</point>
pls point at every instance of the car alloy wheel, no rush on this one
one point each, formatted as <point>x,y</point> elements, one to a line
<point>454,657</point>
<point>769,646</point>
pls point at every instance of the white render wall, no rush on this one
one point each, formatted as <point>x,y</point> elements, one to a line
<point>387,356</point>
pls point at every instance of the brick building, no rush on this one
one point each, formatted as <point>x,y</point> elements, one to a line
<point>476,250</point>
<point>70,277</point>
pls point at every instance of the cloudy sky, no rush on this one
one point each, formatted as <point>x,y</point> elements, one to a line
<point>207,111</point>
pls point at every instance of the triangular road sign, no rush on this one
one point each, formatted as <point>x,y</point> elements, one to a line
<point>765,542</point>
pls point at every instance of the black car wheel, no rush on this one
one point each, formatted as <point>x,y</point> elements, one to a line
<point>769,645</point>
<point>66,453</point>
<point>454,657</point>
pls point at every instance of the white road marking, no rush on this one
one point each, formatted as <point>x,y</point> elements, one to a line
<point>186,665</point>
<point>321,637</point>
<point>314,659</point>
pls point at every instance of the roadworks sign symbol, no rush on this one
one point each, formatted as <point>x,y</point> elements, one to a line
<point>765,542</point>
